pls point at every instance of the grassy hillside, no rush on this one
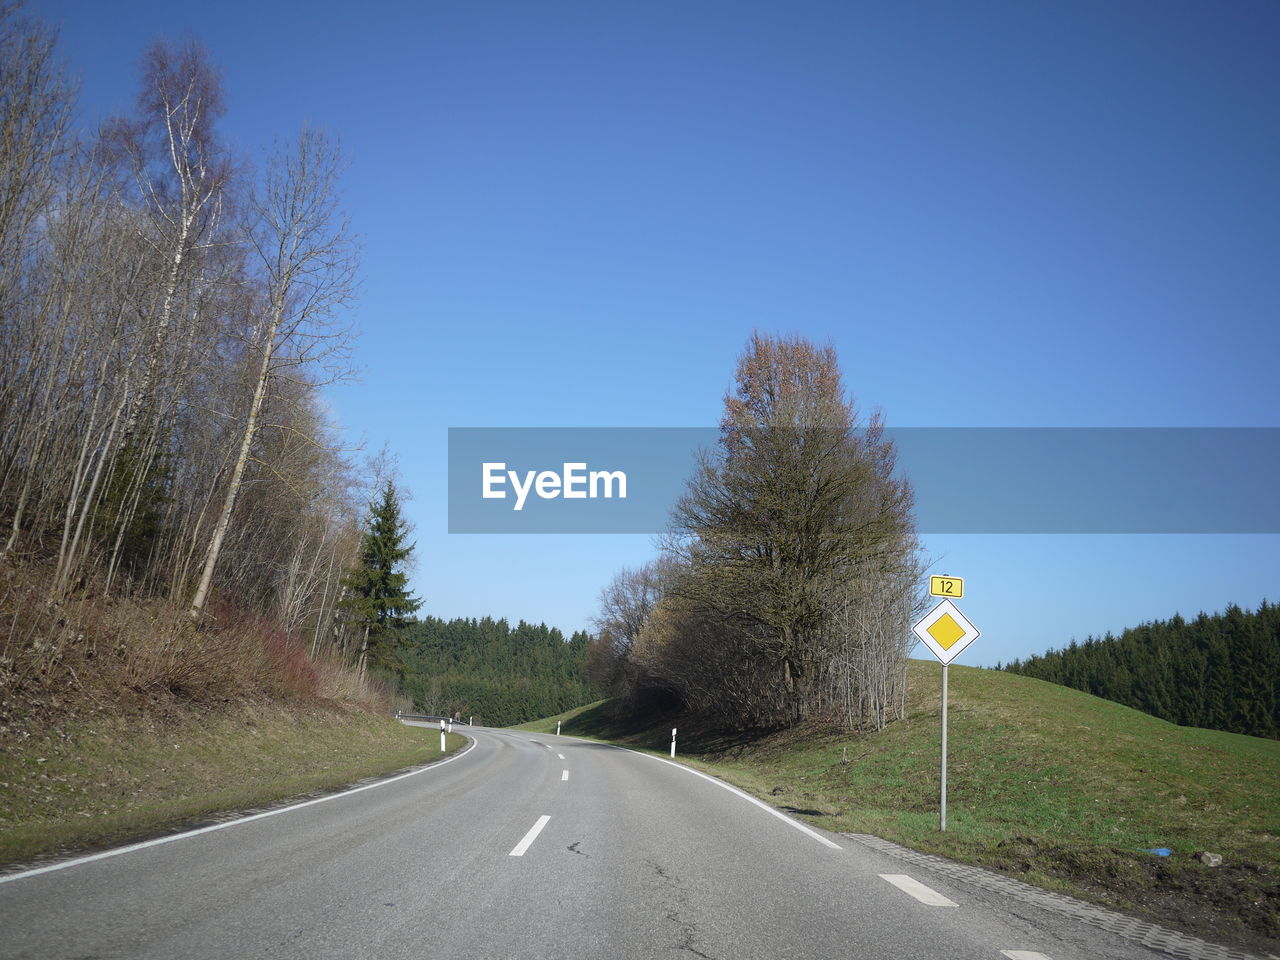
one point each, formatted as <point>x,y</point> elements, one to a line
<point>1054,786</point>
<point>590,711</point>
<point>1221,672</point>
<point>98,780</point>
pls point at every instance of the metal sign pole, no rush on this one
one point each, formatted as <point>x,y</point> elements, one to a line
<point>943,808</point>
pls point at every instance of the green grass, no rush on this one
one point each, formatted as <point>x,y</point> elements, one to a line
<point>106,779</point>
<point>548,724</point>
<point>1051,785</point>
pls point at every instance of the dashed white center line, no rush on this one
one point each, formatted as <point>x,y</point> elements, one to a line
<point>529,837</point>
<point>918,890</point>
<point>1024,955</point>
<point>564,775</point>
<point>560,755</point>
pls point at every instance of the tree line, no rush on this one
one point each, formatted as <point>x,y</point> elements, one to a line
<point>1221,672</point>
<point>501,675</point>
<point>790,576</point>
<point>169,313</point>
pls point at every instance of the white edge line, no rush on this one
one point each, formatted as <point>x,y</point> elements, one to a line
<point>158,841</point>
<point>914,888</point>
<point>532,835</point>
<point>732,789</point>
<point>1024,955</point>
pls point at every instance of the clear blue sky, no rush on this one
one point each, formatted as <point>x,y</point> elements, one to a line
<point>574,214</point>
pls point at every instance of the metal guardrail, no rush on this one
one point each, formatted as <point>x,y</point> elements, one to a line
<point>422,716</point>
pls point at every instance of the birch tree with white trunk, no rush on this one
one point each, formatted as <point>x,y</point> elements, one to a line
<point>306,258</point>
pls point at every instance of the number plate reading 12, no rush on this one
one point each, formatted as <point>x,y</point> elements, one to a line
<point>952,587</point>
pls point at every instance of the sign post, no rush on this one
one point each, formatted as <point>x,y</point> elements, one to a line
<point>945,631</point>
<point>942,803</point>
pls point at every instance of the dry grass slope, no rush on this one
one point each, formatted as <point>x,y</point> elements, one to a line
<point>119,718</point>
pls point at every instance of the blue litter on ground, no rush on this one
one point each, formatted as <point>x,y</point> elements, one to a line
<point>1160,851</point>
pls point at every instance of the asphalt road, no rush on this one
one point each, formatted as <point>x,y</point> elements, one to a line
<point>526,846</point>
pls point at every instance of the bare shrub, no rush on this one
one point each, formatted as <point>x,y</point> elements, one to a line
<point>96,650</point>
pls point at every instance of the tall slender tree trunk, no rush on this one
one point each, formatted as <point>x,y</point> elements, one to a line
<point>325,607</point>
<point>237,473</point>
<point>67,556</point>
<point>364,652</point>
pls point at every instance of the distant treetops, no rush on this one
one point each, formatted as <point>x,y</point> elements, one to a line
<point>501,674</point>
<point>1221,672</point>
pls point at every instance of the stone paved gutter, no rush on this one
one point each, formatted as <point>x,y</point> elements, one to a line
<point>1151,935</point>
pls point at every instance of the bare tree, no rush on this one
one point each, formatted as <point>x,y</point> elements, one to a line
<point>180,171</point>
<point>798,500</point>
<point>171,173</point>
<point>163,337</point>
<point>306,254</point>
<point>626,604</point>
<point>35,109</point>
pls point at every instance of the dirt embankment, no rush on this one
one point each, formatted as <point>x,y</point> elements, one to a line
<point>119,718</point>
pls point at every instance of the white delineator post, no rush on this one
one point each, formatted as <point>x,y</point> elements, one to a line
<point>673,743</point>
<point>442,736</point>
<point>557,728</point>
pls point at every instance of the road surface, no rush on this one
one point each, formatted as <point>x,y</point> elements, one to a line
<point>527,846</point>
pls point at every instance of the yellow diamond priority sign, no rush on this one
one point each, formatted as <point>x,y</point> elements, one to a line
<point>945,631</point>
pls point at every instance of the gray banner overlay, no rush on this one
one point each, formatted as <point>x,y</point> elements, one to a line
<point>966,479</point>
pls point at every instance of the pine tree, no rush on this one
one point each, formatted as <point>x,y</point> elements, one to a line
<point>377,601</point>
<point>1221,672</point>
